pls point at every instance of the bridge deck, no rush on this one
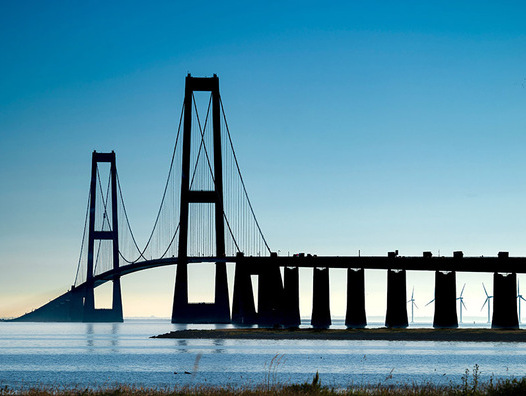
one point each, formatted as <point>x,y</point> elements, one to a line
<point>464,264</point>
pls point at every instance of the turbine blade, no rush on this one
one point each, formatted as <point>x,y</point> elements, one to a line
<point>522,298</point>
<point>430,302</point>
<point>462,290</point>
<point>415,305</point>
<point>462,301</point>
<point>484,304</point>
<point>485,291</point>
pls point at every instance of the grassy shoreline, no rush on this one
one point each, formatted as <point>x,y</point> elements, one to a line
<point>383,334</point>
<point>471,385</point>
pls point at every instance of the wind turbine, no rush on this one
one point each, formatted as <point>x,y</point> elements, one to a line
<point>461,302</point>
<point>413,305</point>
<point>519,296</point>
<point>488,301</point>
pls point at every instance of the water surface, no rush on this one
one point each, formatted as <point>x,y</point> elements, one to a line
<point>86,354</point>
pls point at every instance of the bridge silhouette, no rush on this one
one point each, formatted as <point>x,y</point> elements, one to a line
<point>206,216</point>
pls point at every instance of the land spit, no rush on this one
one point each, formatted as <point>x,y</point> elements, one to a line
<point>383,334</point>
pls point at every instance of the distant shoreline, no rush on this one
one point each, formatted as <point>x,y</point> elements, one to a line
<point>381,334</point>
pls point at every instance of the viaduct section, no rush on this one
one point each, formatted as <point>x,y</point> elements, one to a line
<point>278,299</point>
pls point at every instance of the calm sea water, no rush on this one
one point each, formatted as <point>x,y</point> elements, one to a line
<point>83,354</point>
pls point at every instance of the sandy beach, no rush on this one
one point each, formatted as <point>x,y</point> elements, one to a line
<point>445,335</point>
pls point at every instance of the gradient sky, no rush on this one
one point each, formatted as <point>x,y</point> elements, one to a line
<point>368,126</point>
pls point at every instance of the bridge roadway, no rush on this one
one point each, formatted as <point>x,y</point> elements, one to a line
<point>69,306</point>
<point>457,264</point>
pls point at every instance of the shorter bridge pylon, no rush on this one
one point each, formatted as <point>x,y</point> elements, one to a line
<point>90,313</point>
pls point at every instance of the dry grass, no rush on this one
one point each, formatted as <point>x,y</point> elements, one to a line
<point>470,386</point>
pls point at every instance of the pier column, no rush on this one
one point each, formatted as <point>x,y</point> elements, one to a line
<point>180,305</point>
<point>321,312</point>
<point>243,307</point>
<point>291,308</point>
<point>221,306</point>
<point>504,299</point>
<point>270,295</point>
<point>75,311</point>
<point>445,300</point>
<point>355,316</point>
<point>116,304</point>
<point>396,315</point>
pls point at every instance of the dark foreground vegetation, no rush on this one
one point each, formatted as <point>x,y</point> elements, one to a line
<point>470,385</point>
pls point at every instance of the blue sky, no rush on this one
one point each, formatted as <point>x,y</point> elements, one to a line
<point>369,126</point>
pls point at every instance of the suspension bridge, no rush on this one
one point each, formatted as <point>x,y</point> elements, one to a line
<point>206,216</point>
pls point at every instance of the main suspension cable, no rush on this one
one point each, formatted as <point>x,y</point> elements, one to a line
<point>164,193</point>
<point>241,177</point>
<point>83,236</point>
<point>129,226</point>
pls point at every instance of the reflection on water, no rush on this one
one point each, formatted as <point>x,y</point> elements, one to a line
<point>219,344</point>
<point>115,336</point>
<point>102,353</point>
<point>182,344</point>
<point>105,335</point>
<point>89,336</point>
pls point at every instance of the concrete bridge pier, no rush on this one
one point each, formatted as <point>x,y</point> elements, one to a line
<point>180,304</point>
<point>92,314</point>
<point>321,311</point>
<point>504,299</point>
<point>396,315</point>
<point>355,317</point>
<point>221,306</point>
<point>185,312</point>
<point>445,300</point>
<point>243,307</point>
<point>116,303</point>
<point>504,302</point>
<point>270,294</point>
<point>291,305</point>
<point>73,302</point>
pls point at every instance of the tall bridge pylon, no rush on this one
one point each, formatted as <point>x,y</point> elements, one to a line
<point>219,311</point>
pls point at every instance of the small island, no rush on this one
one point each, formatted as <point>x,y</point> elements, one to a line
<point>382,334</point>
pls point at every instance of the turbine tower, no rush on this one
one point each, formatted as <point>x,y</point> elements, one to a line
<point>413,305</point>
<point>519,297</point>
<point>488,301</point>
<point>461,303</point>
